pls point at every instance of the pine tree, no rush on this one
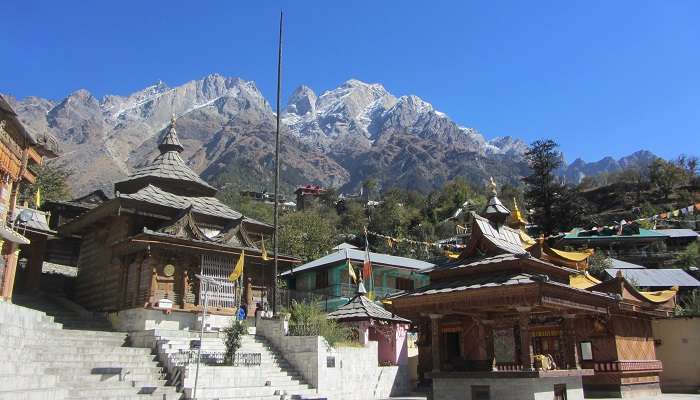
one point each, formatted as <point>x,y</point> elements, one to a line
<point>543,187</point>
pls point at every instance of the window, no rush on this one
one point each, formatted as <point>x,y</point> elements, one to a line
<point>560,392</point>
<point>586,351</point>
<point>321,279</point>
<point>404,284</point>
<point>481,392</point>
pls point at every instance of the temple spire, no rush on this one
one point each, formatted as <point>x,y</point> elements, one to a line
<point>170,141</point>
<point>495,211</point>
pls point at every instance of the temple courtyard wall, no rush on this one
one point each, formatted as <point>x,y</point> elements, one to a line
<point>347,373</point>
<point>521,388</point>
<point>678,346</point>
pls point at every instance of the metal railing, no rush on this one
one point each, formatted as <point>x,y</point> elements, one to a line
<point>184,358</point>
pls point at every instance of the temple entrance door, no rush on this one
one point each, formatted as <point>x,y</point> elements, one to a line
<point>451,350</point>
<point>550,345</point>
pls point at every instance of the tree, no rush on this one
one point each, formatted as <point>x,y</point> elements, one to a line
<point>308,234</point>
<point>51,181</point>
<point>598,263</point>
<point>690,257</point>
<point>542,188</point>
<point>664,176</point>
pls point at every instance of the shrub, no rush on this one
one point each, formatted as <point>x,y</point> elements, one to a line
<point>307,319</point>
<point>233,337</point>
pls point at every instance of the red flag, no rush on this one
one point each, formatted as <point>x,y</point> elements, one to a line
<point>367,265</point>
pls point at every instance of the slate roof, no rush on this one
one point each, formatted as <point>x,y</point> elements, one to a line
<point>168,165</point>
<point>361,308</point>
<point>619,264</point>
<point>503,237</point>
<point>30,219</point>
<point>503,279</point>
<point>200,205</point>
<point>679,233</point>
<point>359,255</point>
<point>656,277</point>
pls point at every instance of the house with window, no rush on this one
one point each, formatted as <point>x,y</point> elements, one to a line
<point>328,279</point>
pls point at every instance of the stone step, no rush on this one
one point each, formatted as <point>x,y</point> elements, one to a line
<point>132,379</point>
<point>238,392</point>
<point>27,381</point>
<point>114,390</point>
<point>44,349</point>
<point>34,394</point>
<point>106,371</point>
<point>95,364</point>
<point>107,357</point>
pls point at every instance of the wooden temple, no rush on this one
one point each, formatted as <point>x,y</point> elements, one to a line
<point>500,323</point>
<point>142,249</point>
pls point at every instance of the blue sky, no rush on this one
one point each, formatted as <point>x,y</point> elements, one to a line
<point>600,77</point>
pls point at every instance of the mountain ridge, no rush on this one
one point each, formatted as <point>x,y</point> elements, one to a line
<point>338,138</point>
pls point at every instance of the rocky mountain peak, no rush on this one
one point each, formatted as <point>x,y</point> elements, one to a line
<point>302,101</point>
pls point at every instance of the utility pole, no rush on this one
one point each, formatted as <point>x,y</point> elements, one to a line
<point>277,168</point>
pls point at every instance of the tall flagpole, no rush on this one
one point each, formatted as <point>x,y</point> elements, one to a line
<point>277,164</point>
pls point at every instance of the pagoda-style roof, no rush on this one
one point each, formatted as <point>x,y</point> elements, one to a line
<point>168,171</point>
<point>200,205</point>
<point>633,300</point>
<point>361,308</point>
<point>488,238</point>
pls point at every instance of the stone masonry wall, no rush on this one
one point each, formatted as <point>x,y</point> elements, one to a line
<point>330,369</point>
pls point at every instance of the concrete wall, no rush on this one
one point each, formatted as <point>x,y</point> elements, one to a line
<point>143,319</point>
<point>330,370</point>
<point>507,389</point>
<point>678,346</point>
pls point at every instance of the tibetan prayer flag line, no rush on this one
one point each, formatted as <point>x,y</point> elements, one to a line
<point>238,269</point>
<point>351,272</point>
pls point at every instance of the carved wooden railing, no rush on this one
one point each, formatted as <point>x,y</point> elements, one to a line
<point>627,365</point>
<point>509,367</point>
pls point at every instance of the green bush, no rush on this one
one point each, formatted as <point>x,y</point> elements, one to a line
<point>307,319</point>
<point>233,337</point>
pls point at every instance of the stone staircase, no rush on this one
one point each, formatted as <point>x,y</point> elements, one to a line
<point>273,379</point>
<point>44,361</point>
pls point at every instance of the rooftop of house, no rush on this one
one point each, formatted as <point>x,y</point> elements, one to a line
<point>362,308</point>
<point>351,253</point>
<point>655,277</point>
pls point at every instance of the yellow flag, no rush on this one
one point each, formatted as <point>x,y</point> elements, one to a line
<point>37,198</point>
<point>238,269</point>
<point>351,272</point>
<point>264,252</point>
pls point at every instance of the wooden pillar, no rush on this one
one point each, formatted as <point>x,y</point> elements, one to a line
<point>571,355</point>
<point>490,352</point>
<point>435,344</point>
<point>8,280</point>
<point>526,357</point>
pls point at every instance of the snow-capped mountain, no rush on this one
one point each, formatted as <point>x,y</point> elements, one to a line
<point>355,131</point>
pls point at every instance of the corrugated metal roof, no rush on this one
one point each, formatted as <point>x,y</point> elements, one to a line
<point>503,237</point>
<point>619,264</point>
<point>656,277</point>
<point>359,255</point>
<point>679,233</point>
<point>360,307</point>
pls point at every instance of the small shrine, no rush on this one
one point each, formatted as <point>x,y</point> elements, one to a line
<point>370,321</point>
<point>498,317</point>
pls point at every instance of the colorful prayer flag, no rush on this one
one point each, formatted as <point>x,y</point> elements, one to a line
<point>264,252</point>
<point>351,272</point>
<point>238,269</point>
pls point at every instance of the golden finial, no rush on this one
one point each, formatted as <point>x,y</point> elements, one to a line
<point>172,120</point>
<point>493,187</point>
